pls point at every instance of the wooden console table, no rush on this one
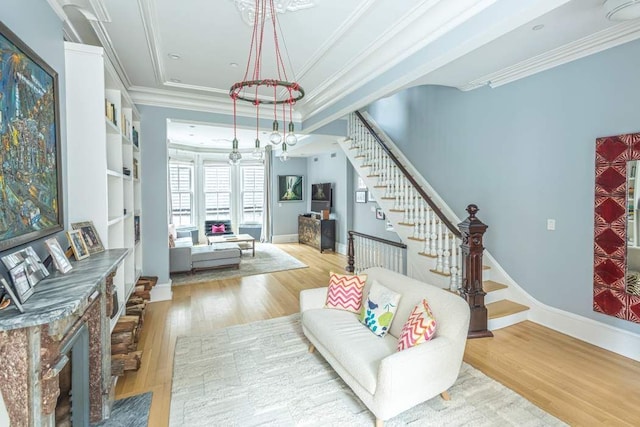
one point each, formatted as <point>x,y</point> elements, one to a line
<point>319,233</point>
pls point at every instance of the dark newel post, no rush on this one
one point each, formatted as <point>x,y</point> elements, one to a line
<point>472,230</point>
<point>350,255</point>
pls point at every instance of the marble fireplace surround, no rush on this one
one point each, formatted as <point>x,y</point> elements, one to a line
<point>30,342</point>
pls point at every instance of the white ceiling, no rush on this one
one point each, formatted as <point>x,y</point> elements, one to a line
<point>335,48</point>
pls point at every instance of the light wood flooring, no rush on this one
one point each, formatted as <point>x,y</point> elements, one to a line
<point>581,384</point>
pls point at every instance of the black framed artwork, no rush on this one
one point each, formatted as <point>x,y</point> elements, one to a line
<point>290,188</point>
<point>30,176</point>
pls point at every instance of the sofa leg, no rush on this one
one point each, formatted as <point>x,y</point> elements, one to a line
<point>445,395</point>
<point>379,422</point>
<point>311,348</point>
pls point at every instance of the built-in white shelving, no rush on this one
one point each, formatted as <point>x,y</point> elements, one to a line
<point>103,159</point>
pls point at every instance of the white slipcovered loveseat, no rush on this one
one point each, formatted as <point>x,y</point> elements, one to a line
<point>386,380</point>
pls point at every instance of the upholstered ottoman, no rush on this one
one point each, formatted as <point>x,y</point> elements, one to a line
<point>215,256</point>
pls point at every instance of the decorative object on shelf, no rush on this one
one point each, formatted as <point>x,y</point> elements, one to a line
<point>21,283</point>
<point>135,168</point>
<point>379,214</point>
<point>60,260</point>
<point>257,90</point>
<point>289,188</point>
<point>134,137</point>
<point>361,196</point>
<point>31,163</point>
<point>78,244</point>
<point>33,266</point>
<point>7,288</point>
<point>90,235</point>
<point>136,228</point>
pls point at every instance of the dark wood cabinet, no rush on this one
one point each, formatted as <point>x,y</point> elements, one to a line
<point>319,233</point>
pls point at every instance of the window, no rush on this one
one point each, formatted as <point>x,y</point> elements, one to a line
<point>217,191</point>
<point>181,180</point>
<point>252,188</point>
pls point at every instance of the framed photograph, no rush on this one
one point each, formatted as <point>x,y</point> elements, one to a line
<point>60,260</point>
<point>361,196</point>
<point>370,197</point>
<point>290,188</point>
<point>361,183</point>
<point>30,119</point>
<point>33,266</point>
<point>78,244</point>
<point>21,283</point>
<point>90,235</point>
<point>379,214</point>
<point>7,288</point>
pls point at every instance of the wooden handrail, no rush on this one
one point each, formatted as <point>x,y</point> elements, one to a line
<point>408,176</point>
<point>351,250</point>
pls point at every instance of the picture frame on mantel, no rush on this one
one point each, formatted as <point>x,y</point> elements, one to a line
<point>60,260</point>
<point>29,92</point>
<point>78,244</point>
<point>90,235</point>
<point>9,290</point>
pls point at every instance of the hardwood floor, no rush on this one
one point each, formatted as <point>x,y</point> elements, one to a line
<point>577,382</point>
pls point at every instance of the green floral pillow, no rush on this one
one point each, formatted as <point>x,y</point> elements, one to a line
<point>379,308</point>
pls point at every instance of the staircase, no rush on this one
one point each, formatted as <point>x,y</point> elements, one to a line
<point>423,221</point>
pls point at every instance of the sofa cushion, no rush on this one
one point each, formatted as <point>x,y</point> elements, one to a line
<point>379,308</point>
<point>350,343</point>
<point>345,291</point>
<point>419,327</point>
<point>218,228</point>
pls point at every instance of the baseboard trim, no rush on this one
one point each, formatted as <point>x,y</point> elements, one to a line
<point>341,248</point>
<point>600,334</point>
<point>284,238</point>
<point>161,292</point>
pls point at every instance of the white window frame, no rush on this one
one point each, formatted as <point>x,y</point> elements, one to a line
<point>190,166</point>
<point>243,190</point>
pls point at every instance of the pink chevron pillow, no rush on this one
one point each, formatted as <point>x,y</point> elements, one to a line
<point>218,228</point>
<point>345,292</point>
<point>419,328</point>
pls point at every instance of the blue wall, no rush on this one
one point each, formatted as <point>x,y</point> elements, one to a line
<point>284,215</point>
<point>524,152</point>
<point>35,23</point>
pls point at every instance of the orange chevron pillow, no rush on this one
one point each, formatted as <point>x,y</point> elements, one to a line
<point>419,328</point>
<point>345,291</point>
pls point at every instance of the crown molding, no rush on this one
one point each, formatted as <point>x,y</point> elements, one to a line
<point>187,101</point>
<point>594,43</point>
<point>57,8</point>
<point>147,16</point>
<point>196,88</point>
<point>413,32</point>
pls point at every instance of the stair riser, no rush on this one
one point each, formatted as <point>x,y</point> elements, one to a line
<point>512,319</point>
<point>495,296</point>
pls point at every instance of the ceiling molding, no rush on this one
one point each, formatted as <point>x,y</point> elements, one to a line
<point>196,87</point>
<point>195,102</point>
<point>151,34</point>
<point>57,8</point>
<point>381,57</point>
<point>594,43</point>
<point>346,25</point>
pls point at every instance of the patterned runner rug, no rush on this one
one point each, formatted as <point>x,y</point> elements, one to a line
<point>269,258</point>
<point>262,374</point>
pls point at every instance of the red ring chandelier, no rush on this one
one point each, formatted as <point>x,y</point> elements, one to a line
<point>255,89</point>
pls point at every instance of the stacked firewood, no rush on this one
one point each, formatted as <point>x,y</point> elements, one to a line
<point>125,355</point>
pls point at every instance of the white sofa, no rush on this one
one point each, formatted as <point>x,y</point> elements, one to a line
<point>387,381</point>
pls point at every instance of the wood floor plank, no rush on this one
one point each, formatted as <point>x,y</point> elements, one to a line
<point>577,382</point>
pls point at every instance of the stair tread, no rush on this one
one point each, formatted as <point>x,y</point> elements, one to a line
<point>504,308</point>
<point>491,286</point>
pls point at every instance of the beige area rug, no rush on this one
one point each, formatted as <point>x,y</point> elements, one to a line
<point>269,258</point>
<point>262,374</point>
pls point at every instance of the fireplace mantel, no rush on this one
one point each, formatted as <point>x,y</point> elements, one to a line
<point>30,342</point>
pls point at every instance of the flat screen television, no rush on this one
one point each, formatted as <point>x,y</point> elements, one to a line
<point>321,197</point>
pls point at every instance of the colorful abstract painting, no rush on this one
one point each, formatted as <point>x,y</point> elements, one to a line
<point>30,181</point>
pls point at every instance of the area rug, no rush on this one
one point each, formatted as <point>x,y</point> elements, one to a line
<point>262,374</point>
<point>129,412</point>
<point>269,258</point>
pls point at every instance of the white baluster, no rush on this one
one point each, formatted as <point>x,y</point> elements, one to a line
<point>453,282</point>
<point>421,220</point>
<point>439,251</point>
<point>446,254</point>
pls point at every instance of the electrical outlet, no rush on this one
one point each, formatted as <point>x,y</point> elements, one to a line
<point>551,224</point>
